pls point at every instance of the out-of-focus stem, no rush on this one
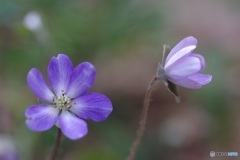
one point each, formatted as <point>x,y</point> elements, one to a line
<point>57,145</point>
<point>143,119</point>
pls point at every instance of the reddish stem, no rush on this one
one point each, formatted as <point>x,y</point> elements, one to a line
<point>143,120</point>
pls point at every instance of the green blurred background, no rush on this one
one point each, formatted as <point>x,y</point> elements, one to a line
<point>123,39</point>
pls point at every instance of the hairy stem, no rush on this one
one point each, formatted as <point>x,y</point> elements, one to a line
<point>57,145</point>
<point>143,119</point>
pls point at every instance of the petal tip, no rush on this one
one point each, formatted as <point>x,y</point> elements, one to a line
<point>60,55</point>
<point>191,38</point>
<point>89,64</point>
<point>77,136</point>
<point>209,79</point>
<point>71,126</point>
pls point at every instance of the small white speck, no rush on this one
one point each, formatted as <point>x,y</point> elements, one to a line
<point>33,21</point>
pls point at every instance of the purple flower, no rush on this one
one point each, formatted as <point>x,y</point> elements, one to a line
<point>68,101</point>
<point>183,68</point>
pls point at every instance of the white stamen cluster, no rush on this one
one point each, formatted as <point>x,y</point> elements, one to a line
<point>62,102</point>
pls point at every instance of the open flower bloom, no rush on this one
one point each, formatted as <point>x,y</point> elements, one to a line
<point>183,68</point>
<point>68,101</point>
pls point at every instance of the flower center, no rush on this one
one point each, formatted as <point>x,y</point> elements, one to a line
<point>62,102</point>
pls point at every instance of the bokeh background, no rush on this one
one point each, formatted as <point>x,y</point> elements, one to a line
<point>123,39</point>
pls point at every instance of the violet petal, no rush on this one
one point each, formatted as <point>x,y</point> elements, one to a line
<point>72,126</point>
<point>183,48</point>
<point>59,71</point>
<point>202,61</point>
<point>201,78</point>
<point>185,66</point>
<point>94,106</point>
<point>184,82</point>
<point>41,117</point>
<point>82,78</point>
<point>38,85</point>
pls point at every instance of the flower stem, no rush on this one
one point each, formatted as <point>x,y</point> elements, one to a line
<point>57,145</point>
<point>143,120</point>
